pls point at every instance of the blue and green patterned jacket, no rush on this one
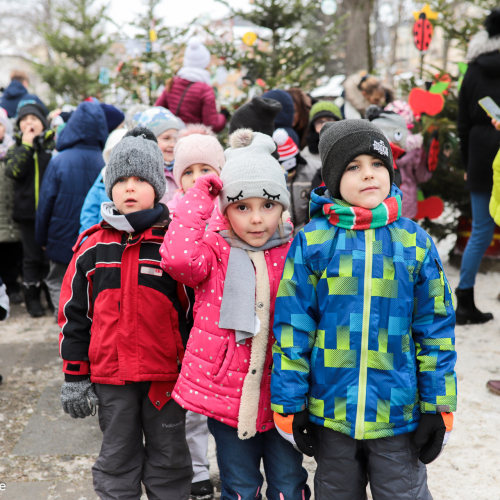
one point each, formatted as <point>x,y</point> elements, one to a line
<point>364,328</point>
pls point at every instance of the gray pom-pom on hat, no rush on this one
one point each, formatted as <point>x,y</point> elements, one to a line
<point>136,155</point>
<point>341,142</point>
<point>251,171</point>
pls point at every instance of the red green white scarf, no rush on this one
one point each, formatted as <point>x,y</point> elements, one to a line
<point>343,215</point>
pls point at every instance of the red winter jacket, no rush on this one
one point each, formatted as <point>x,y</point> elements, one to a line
<point>120,314</point>
<point>198,105</point>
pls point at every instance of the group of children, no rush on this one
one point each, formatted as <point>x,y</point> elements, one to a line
<point>337,344</point>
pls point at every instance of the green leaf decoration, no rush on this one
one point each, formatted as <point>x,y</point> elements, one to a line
<point>439,87</point>
<point>462,67</point>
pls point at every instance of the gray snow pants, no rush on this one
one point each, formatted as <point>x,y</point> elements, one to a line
<point>391,465</point>
<point>140,443</point>
<point>197,439</point>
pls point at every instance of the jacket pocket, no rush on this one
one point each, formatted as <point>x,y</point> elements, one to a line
<point>223,359</point>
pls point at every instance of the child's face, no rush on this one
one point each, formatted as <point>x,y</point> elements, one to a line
<point>166,141</point>
<point>191,174</point>
<point>365,183</point>
<point>131,194</point>
<point>318,124</point>
<point>31,123</point>
<point>254,220</point>
<point>2,132</point>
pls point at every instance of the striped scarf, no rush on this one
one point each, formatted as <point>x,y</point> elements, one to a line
<point>343,215</point>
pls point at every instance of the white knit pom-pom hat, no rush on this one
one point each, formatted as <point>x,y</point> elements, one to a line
<point>251,171</point>
<point>196,54</point>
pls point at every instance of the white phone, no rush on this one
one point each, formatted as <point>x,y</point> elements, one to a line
<point>491,107</point>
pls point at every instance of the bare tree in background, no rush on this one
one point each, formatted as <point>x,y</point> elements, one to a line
<point>357,34</point>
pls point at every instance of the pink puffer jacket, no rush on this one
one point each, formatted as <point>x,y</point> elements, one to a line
<point>215,366</point>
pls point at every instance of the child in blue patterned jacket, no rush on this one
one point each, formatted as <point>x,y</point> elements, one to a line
<point>364,361</point>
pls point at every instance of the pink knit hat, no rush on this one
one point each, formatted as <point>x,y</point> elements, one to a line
<point>197,148</point>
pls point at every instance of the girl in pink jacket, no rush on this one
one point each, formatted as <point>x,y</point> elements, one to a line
<point>197,153</point>
<point>235,267</point>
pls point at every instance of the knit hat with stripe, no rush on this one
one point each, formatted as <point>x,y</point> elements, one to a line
<point>287,149</point>
<point>323,109</point>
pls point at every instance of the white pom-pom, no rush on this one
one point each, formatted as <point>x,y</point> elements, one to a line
<point>194,42</point>
<point>241,138</point>
<point>280,136</point>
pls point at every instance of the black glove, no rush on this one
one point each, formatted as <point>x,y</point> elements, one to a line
<point>432,435</point>
<point>226,113</point>
<point>302,429</point>
<point>75,398</point>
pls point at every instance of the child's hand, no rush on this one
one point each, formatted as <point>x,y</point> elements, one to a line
<point>496,124</point>
<point>432,434</point>
<point>29,135</point>
<point>210,184</point>
<point>297,429</point>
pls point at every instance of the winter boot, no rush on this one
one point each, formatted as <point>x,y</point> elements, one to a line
<point>32,298</point>
<point>202,490</point>
<point>494,386</point>
<point>467,312</point>
<point>50,305</point>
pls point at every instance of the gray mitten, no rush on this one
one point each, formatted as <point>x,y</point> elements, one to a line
<point>75,398</point>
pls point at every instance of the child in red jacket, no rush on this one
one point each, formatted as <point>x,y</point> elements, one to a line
<point>123,332</point>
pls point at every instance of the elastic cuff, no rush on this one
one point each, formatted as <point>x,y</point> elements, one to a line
<point>75,378</point>
<point>76,367</point>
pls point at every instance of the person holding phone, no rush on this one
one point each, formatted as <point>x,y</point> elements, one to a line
<point>479,143</point>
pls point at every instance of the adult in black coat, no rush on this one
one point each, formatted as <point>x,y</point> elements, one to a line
<point>479,142</point>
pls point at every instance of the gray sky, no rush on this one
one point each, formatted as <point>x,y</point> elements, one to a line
<point>174,12</point>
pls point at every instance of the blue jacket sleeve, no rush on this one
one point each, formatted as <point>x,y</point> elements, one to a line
<point>47,198</point>
<point>433,330</point>
<point>295,323</point>
<point>91,209</point>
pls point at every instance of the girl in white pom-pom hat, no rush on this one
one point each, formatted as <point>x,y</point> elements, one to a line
<point>235,267</point>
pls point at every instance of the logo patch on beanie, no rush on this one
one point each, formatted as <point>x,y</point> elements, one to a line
<point>379,147</point>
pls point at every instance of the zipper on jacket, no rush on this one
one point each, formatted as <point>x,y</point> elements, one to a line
<point>37,179</point>
<point>365,333</point>
<point>129,239</point>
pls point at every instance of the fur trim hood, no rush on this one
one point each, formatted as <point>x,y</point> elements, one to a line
<point>354,95</point>
<point>480,44</point>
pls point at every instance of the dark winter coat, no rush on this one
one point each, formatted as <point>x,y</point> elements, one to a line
<point>479,140</point>
<point>15,93</point>
<point>26,165</point>
<point>68,179</point>
<point>121,316</point>
<point>300,187</point>
<point>198,105</point>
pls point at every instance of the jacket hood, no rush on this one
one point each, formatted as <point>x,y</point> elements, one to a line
<point>481,43</point>
<point>319,197</point>
<point>14,90</point>
<point>87,126</point>
<point>354,95</point>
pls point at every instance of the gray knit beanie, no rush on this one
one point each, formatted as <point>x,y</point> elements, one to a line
<point>251,171</point>
<point>137,155</point>
<point>340,142</point>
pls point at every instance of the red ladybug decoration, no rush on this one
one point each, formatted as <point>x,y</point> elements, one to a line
<point>422,32</point>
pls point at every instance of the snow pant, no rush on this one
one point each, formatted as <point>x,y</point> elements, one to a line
<point>197,439</point>
<point>54,280</point>
<point>11,265</point>
<point>239,465</point>
<point>390,464</point>
<point>483,227</point>
<point>140,443</point>
<point>35,264</point>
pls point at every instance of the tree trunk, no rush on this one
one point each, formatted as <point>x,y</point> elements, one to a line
<point>357,34</point>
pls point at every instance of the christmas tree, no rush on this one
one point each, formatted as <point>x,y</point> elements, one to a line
<point>287,50</point>
<point>76,45</point>
<point>156,58</point>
